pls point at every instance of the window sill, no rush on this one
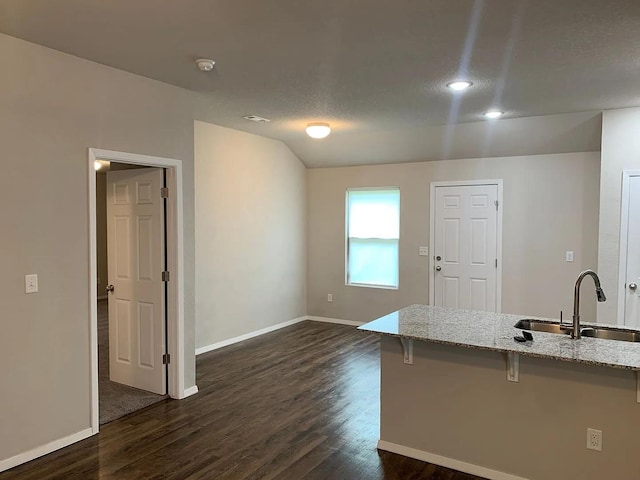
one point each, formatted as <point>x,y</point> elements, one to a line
<point>364,285</point>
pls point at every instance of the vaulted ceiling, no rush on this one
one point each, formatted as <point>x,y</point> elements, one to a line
<point>376,70</point>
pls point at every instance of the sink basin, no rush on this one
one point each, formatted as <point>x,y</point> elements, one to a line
<point>540,326</point>
<point>593,332</point>
<point>611,334</point>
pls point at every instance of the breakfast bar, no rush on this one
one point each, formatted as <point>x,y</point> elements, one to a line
<point>458,390</point>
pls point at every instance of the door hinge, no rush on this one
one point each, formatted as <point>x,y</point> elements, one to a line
<point>164,192</point>
<point>496,203</point>
<point>166,359</point>
<point>165,276</point>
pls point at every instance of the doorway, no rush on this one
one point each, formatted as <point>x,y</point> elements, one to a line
<point>629,268</point>
<point>466,245</point>
<point>130,225</point>
<point>174,262</point>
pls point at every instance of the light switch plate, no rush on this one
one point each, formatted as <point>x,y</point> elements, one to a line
<point>423,251</point>
<point>31,283</point>
<point>568,256</point>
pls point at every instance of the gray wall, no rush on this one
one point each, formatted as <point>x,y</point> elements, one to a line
<point>550,206</point>
<point>250,234</point>
<point>620,151</point>
<point>54,107</point>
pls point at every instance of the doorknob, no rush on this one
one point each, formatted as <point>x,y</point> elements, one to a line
<point>438,258</point>
<point>438,268</point>
<point>632,287</point>
<point>109,288</point>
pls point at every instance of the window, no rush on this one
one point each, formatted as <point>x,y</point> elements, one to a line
<point>373,232</point>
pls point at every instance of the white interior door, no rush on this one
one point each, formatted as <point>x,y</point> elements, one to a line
<point>632,279</point>
<point>135,250</point>
<point>466,247</point>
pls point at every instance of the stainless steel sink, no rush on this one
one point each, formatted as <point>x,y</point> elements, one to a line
<point>540,326</point>
<point>594,332</point>
<point>611,334</point>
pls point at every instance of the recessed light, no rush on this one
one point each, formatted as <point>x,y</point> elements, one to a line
<point>256,118</point>
<point>493,114</point>
<point>318,130</point>
<point>459,85</point>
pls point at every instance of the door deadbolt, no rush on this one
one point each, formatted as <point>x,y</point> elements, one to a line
<point>632,287</point>
<point>438,268</point>
<point>109,288</point>
<point>438,258</point>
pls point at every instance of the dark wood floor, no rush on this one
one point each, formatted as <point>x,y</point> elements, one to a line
<point>299,403</point>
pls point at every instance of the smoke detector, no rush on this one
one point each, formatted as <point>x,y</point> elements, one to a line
<point>205,64</point>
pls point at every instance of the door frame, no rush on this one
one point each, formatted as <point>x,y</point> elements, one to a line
<point>622,252</point>
<point>175,264</point>
<point>432,239</point>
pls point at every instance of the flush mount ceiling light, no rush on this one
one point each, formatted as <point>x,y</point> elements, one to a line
<point>318,129</point>
<point>205,64</point>
<point>459,85</point>
<point>493,114</point>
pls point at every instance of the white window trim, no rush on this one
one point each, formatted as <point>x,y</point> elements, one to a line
<point>346,237</point>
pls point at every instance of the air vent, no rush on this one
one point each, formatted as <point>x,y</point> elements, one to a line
<point>256,118</point>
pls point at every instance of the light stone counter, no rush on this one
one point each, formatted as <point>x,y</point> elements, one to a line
<point>495,331</point>
<point>444,398</point>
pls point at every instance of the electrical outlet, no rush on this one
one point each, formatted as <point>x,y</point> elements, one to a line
<point>330,297</point>
<point>594,439</point>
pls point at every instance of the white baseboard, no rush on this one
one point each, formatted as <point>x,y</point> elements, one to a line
<point>257,333</point>
<point>189,391</point>
<point>44,449</point>
<point>247,336</point>
<point>336,320</point>
<point>447,462</point>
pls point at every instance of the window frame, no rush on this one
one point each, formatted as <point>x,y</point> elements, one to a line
<point>347,238</point>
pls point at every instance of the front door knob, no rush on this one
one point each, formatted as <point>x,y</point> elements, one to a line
<point>438,268</point>
<point>632,287</point>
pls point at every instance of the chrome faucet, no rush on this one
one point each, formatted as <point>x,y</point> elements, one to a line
<point>575,329</point>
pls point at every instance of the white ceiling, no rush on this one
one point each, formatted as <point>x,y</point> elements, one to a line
<point>375,69</point>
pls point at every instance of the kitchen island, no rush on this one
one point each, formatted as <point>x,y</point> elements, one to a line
<point>458,391</point>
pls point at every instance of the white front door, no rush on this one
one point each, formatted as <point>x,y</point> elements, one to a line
<point>465,249</point>
<point>135,250</point>
<point>632,279</point>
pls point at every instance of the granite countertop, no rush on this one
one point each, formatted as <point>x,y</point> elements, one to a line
<point>495,331</point>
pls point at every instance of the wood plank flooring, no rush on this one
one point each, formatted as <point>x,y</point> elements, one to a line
<point>299,403</point>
